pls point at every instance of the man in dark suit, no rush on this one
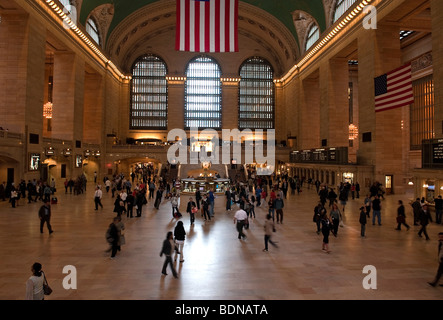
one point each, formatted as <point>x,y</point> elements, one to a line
<point>440,260</point>
<point>45,216</point>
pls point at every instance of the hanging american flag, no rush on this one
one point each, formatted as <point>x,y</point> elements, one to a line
<point>207,26</point>
<point>394,89</point>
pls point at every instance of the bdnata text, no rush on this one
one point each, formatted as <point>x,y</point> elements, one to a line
<point>224,309</point>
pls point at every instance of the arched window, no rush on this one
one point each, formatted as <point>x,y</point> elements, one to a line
<point>256,95</point>
<point>92,30</point>
<point>341,7</point>
<point>313,35</point>
<point>149,94</point>
<point>203,94</point>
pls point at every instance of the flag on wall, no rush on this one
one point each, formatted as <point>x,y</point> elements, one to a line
<point>207,26</point>
<point>394,89</point>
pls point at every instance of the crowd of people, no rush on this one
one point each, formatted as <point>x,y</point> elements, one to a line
<point>244,197</point>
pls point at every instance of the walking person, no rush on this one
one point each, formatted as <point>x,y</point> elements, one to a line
<point>113,237</point>
<point>376,210</point>
<point>240,219</point>
<point>438,209</point>
<point>440,260</point>
<point>325,229</point>
<point>205,208</point>
<point>174,203</point>
<point>167,250</point>
<point>269,229</point>
<point>190,209</point>
<point>335,218</point>
<point>416,207</point>
<point>401,216</point>
<point>425,218</point>
<point>130,200</point>
<point>363,221</point>
<point>44,215</point>
<point>34,285</point>
<point>279,205</point>
<point>319,212</point>
<point>98,198</point>
<point>368,204</point>
<point>228,199</point>
<point>179,236</point>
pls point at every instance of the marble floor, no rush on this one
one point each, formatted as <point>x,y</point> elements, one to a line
<point>217,265</point>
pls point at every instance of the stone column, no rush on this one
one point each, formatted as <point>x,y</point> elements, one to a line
<point>334,104</point>
<point>437,57</point>
<point>176,107</point>
<point>379,53</point>
<point>230,105</point>
<point>309,120</point>
<point>68,97</point>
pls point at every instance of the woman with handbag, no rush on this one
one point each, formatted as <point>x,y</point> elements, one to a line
<point>34,285</point>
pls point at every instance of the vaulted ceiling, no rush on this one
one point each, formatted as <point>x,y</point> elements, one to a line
<point>281,9</point>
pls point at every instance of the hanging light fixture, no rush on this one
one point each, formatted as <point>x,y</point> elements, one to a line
<point>47,110</point>
<point>353,132</point>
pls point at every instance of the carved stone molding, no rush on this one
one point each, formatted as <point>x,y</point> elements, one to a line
<point>103,16</point>
<point>423,62</point>
<point>329,6</point>
<point>302,22</point>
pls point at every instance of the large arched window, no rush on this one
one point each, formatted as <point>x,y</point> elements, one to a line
<point>203,94</point>
<point>313,35</point>
<point>149,94</point>
<point>341,7</point>
<point>92,30</point>
<point>256,95</point>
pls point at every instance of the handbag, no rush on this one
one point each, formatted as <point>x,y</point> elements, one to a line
<point>46,288</point>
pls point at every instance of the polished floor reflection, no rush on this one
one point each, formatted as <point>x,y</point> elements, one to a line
<point>217,265</point>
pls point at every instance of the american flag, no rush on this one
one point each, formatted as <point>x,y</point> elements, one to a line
<point>207,26</point>
<point>394,89</point>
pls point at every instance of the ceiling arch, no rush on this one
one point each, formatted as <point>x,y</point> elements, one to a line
<point>280,9</point>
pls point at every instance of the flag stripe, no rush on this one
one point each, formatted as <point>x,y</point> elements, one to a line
<point>207,25</point>
<point>394,90</point>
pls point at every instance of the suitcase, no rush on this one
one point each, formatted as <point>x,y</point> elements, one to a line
<point>54,200</point>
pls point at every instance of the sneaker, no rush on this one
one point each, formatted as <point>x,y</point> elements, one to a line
<point>265,250</point>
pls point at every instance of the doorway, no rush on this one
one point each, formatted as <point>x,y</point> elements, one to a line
<point>389,184</point>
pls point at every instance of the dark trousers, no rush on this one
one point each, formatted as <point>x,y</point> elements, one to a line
<point>402,223</point>
<point>423,230</point>
<point>98,202</point>
<point>439,273</point>
<point>48,224</point>
<point>168,260</point>
<point>268,239</point>
<point>192,215</point>
<point>129,211</point>
<point>240,225</point>
<point>279,215</point>
<point>228,204</point>
<point>114,250</point>
<point>151,193</point>
<point>438,215</point>
<point>175,209</point>
<point>335,224</point>
<point>206,214</point>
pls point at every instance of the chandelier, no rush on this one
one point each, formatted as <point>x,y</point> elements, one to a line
<point>353,132</point>
<point>47,110</point>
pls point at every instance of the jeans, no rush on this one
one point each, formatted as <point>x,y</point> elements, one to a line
<point>376,213</point>
<point>168,260</point>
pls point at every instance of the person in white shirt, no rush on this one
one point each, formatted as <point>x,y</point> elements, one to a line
<point>240,219</point>
<point>34,285</point>
<point>98,198</point>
